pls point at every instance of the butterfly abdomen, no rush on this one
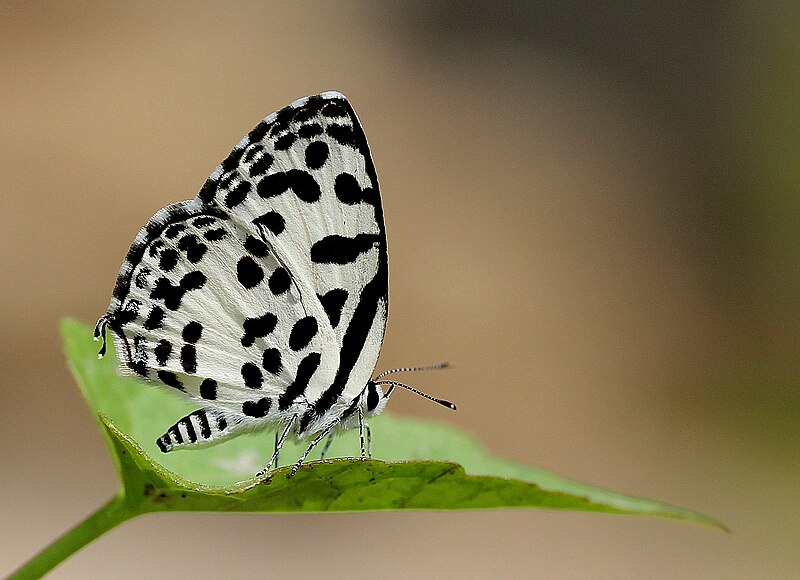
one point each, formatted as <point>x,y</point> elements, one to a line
<point>201,427</point>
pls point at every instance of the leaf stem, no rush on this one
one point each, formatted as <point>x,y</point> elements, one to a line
<point>107,517</point>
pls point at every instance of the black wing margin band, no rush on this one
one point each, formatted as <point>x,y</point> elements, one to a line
<point>374,296</point>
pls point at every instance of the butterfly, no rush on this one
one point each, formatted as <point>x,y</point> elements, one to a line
<point>265,297</point>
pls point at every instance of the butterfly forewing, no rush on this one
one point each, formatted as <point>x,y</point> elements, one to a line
<point>305,180</point>
<point>266,296</point>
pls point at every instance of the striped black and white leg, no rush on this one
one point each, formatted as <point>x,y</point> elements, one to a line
<point>324,451</point>
<point>314,443</point>
<point>361,433</point>
<point>278,445</point>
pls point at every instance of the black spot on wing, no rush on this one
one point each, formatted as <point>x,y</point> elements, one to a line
<point>273,185</point>
<point>316,154</point>
<point>237,195</point>
<point>154,247</point>
<point>280,126</point>
<point>173,230</point>
<point>261,166</point>
<point>141,278</point>
<point>306,113</point>
<point>170,380</point>
<point>252,376</point>
<point>208,389</point>
<point>349,192</point>
<point>333,302</point>
<point>138,359</point>
<point>215,235</point>
<point>302,183</point>
<point>253,151</point>
<point>126,314</point>
<point>343,134</point>
<point>303,332</point>
<point>256,247</point>
<point>283,142</point>
<point>203,221</point>
<point>155,319</point>
<point>226,182</point>
<point>168,259</point>
<point>194,249</point>
<point>248,272</point>
<point>279,281</point>
<point>189,358</point>
<point>271,220</point>
<point>152,227</point>
<point>271,361</point>
<point>334,109</point>
<point>347,189</point>
<point>305,370</point>
<point>256,409</point>
<point>258,327</point>
<point>192,331</point>
<point>193,281</point>
<point>162,351</point>
<point>335,249</point>
<point>169,293</point>
<point>310,130</point>
<point>285,115</point>
<point>172,295</point>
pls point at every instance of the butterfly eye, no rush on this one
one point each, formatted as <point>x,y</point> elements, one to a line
<point>373,396</point>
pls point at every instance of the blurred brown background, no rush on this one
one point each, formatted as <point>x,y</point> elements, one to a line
<point>592,212</point>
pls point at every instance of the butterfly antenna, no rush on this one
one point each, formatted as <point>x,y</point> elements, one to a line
<point>394,384</point>
<point>442,365</point>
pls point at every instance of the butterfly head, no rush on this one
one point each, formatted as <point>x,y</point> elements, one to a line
<point>373,399</point>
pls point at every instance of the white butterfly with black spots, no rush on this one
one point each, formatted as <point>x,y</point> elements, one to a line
<point>265,297</point>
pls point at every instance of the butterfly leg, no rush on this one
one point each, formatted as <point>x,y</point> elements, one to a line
<point>277,452</point>
<point>361,425</point>
<point>278,445</point>
<point>314,443</point>
<point>324,451</point>
<point>369,440</point>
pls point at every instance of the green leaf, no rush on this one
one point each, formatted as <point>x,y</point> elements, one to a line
<point>336,485</point>
<point>418,471</point>
<point>423,473</point>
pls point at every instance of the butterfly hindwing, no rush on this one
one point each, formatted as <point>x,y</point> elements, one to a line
<point>210,311</point>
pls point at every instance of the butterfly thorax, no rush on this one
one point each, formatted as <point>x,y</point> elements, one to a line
<point>344,414</point>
